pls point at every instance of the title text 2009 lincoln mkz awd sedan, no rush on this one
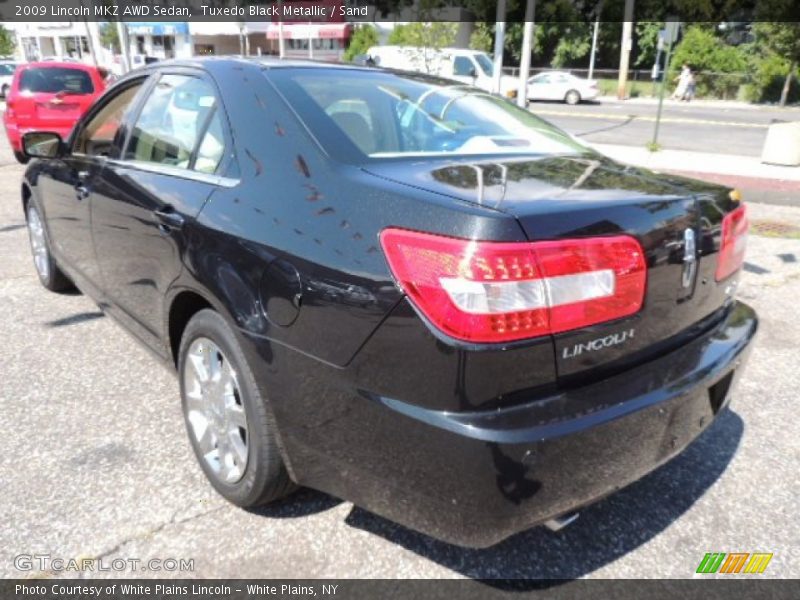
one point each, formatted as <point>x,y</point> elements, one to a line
<point>394,288</point>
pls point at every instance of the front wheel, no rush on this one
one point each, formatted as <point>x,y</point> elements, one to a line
<point>231,431</point>
<point>49,274</point>
<point>572,97</point>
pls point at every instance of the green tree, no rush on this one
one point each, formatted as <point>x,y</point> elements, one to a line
<point>646,43</point>
<point>109,36</point>
<point>363,38</point>
<point>434,35</point>
<point>7,43</point>
<point>482,37</point>
<point>783,40</point>
<point>718,67</point>
<point>573,43</point>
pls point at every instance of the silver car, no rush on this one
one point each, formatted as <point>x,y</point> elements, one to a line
<point>559,85</point>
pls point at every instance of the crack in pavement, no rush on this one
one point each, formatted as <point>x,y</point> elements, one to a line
<point>172,521</point>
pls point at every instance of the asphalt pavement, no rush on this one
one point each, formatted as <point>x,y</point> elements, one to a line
<point>95,463</point>
<point>714,127</point>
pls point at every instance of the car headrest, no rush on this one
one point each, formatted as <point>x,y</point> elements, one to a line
<point>357,129</point>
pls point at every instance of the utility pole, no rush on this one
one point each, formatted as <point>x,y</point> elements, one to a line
<point>594,45</point>
<point>94,42</point>
<point>281,46</point>
<point>122,34</point>
<point>499,43</point>
<point>625,50</point>
<point>525,63</point>
<point>91,38</point>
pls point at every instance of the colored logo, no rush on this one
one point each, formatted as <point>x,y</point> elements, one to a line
<point>734,562</point>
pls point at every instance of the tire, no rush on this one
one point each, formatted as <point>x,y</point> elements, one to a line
<point>51,277</point>
<point>572,97</point>
<point>214,417</point>
<point>21,158</point>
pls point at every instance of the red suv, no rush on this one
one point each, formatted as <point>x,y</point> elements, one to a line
<point>49,97</point>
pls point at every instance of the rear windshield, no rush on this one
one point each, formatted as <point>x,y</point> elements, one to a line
<point>51,80</point>
<point>386,114</point>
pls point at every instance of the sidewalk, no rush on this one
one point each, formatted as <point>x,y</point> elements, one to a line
<point>759,182</point>
<point>702,102</point>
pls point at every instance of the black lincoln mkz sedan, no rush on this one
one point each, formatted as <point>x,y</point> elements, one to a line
<point>396,289</point>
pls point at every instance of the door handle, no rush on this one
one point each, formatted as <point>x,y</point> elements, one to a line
<point>169,219</point>
<point>81,191</point>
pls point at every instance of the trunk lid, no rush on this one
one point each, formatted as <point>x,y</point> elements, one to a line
<point>676,220</point>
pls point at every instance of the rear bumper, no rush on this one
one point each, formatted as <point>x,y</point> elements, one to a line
<point>475,478</point>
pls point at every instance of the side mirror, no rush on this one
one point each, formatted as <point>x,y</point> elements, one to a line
<point>42,144</point>
<point>472,73</point>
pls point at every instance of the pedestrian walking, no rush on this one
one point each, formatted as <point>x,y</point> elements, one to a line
<point>691,87</point>
<point>683,82</point>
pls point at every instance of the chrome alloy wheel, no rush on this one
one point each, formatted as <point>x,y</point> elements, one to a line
<point>41,255</point>
<point>215,411</point>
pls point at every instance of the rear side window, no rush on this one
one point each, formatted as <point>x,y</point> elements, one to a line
<point>52,80</point>
<point>386,115</point>
<point>179,125</point>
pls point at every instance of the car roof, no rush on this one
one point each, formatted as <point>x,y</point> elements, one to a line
<point>52,64</point>
<point>214,64</point>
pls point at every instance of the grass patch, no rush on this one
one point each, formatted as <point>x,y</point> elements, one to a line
<point>634,89</point>
<point>653,146</point>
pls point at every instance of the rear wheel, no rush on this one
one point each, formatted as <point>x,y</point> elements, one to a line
<point>49,274</point>
<point>230,429</point>
<point>572,97</point>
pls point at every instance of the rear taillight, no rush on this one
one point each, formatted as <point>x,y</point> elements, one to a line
<point>9,109</point>
<point>504,291</point>
<point>733,243</point>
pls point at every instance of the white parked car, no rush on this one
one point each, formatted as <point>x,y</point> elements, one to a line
<point>7,68</point>
<point>558,85</point>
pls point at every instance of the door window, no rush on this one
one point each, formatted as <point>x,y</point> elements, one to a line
<point>463,67</point>
<point>97,137</point>
<point>179,125</point>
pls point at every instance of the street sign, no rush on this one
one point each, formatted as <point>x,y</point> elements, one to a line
<point>671,30</point>
<point>669,37</point>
